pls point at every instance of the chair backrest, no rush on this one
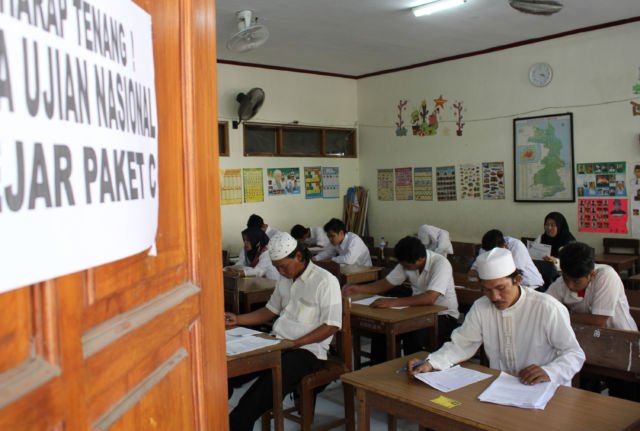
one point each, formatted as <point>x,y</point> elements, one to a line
<point>629,246</point>
<point>463,255</point>
<point>331,266</point>
<point>231,294</point>
<point>225,258</point>
<point>610,349</point>
<point>344,341</point>
<point>368,240</point>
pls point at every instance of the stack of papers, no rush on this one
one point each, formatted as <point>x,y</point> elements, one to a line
<point>452,378</point>
<point>368,301</point>
<point>241,340</point>
<point>507,390</point>
<point>538,251</point>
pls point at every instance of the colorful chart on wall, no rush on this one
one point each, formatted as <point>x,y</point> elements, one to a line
<point>470,181</point>
<point>385,184</point>
<point>230,187</point>
<point>446,183</point>
<point>313,182</point>
<point>603,215</point>
<point>601,179</point>
<point>493,180</point>
<point>404,184</point>
<point>253,179</point>
<point>330,182</point>
<point>634,201</point>
<point>423,184</point>
<point>283,181</point>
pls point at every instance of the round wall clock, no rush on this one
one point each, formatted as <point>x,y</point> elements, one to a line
<point>540,74</point>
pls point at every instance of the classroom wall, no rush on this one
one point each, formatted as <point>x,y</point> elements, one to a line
<point>593,76</point>
<point>311,100</point>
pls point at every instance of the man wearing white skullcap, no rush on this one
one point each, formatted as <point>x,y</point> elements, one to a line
<point>435,239</point>
<point>308,306</point>
<point>524,332</point>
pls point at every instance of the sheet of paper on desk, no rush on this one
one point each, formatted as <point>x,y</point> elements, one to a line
<point>507,390</point>
<point>368,301</point>
<point>537,250</point>
<point>451,379</point>
<point>246,344</point>
<point>239,331</point>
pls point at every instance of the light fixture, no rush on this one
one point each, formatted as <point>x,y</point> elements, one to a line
<point>436,6</point>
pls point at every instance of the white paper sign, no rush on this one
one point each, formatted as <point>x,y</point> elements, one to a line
<point>79,137</point>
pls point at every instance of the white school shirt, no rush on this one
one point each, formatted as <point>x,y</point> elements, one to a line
<point>435,239</point>
<point>264,267</point>
<point>352,251</point>
<point>436,276</point>
<point>318,237</point>
<point>536,330</point>
<point>604,296</point>
<point>271,232</point>
<point>306,303</point>
<point>531,277</point>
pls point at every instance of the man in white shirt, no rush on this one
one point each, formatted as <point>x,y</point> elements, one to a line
<point>431,279</point>
<point>311,236</point>
<point>308,307</point>
<point>594,293</point>
<point>346,247</point>
<point>531,277</point>
<point>435,239</point>
<point>524,332</point>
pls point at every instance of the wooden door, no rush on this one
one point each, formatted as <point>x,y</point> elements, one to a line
<point>137,344</point>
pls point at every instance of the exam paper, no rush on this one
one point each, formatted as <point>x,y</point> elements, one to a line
<point>239,331</point>
<point>368,301</point>
<point>239,345</point>
<point>538,251</point>
<point>507,390</point>
<point>451,379</point>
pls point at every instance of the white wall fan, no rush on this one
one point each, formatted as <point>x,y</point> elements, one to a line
<point>250,34</point>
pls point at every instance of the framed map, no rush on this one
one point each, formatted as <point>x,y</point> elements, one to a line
<point>543,159</point>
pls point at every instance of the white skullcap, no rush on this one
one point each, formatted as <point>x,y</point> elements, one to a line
<point>423,235</point>
<point>281,246</point>
<point>496,263</point>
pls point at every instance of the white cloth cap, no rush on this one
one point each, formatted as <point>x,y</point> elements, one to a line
<point>281,246</point>
<point>423,235</point>
<point>496,263</point>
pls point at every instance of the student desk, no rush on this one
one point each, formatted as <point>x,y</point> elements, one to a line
<point>462,279</point>
<point>619,262</point>
<point>391,322</point>
<point>249,290</point>
<point>267,358</point>
<point>358,274</point>
<point>569,409</point>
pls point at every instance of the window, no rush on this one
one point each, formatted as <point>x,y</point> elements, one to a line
<point>223,138</point>
<point>298,141</point>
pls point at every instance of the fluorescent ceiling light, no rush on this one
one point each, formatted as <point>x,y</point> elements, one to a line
<point>436,6</point>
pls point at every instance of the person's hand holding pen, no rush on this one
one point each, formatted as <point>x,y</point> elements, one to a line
<point>230,319</point>
<point>416,366</point>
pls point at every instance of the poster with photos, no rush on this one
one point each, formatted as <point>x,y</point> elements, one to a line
<point>446,183</point>
<point>253,179</point>
<point>313,182</point>
<point>230,187</point>
<point>385,184</point>
<point>330,182</point>
<point>602,179</point>
<point>493,180</point>
<point>634,200</point>
<point>603,215</point>
<point>283,181</point>
<point>404,184</point>
<point>470,181</point>
<point>423,184</point>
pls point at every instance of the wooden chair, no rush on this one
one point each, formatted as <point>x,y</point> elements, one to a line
<point>625,246</point>
<point>335,366</point>
<point>225,258</point>
<point>463,255</point>
<point>331,266</point>
<point>231,294</point>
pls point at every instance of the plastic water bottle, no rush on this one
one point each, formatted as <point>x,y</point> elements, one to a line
<point>382,245</point>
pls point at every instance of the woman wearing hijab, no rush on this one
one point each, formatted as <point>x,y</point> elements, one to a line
<point>556,234</point>
<point>254,261</point>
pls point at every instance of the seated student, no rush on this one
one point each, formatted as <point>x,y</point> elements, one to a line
<point>556,234</point>
<point>524,332</point>
<point>431,279</point>
<point>257,221</point>
<point>346,247</point>
<point>311,236</point>
<point>254,259</point>
<point>531,277</point>
<point>594,293</point>
<point>435,239</point>
<point>308,307</point>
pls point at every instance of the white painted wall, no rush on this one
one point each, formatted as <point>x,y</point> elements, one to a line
<point>590,71</point>
<point>309,99</point>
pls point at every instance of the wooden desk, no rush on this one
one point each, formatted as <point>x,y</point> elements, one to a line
<point>570,409</point>
<point>462,279</point>
<point>391,322</point>
<point>258,360</point>
<point>619,262</point>
<point>250,290</point>
<point>358,274</point>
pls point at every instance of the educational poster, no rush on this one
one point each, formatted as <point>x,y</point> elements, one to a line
<point>601,179</point>
<point>470,181</point>
<point>79,144</point>
<point>446,183</point>
<point>253,179</point>
<point>330,182</point>
<point>230,186</point>
<point>283,181</point>
<point>385,184</point>
<point>423,184</point>
<point>313,182</point>
<point>634,200</point>
<point>602,215</point>
<point>493,180</point>
<point>404,184</point>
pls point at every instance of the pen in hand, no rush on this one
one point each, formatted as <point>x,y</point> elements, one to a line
<point>416,365</point>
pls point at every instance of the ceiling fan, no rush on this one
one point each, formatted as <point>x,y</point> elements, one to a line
<point>250,34</point>
<point>537,7</point>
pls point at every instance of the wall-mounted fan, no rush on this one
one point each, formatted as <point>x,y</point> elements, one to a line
<point>250,34</point>
<point>250,104</point>
<point>536,7</point>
